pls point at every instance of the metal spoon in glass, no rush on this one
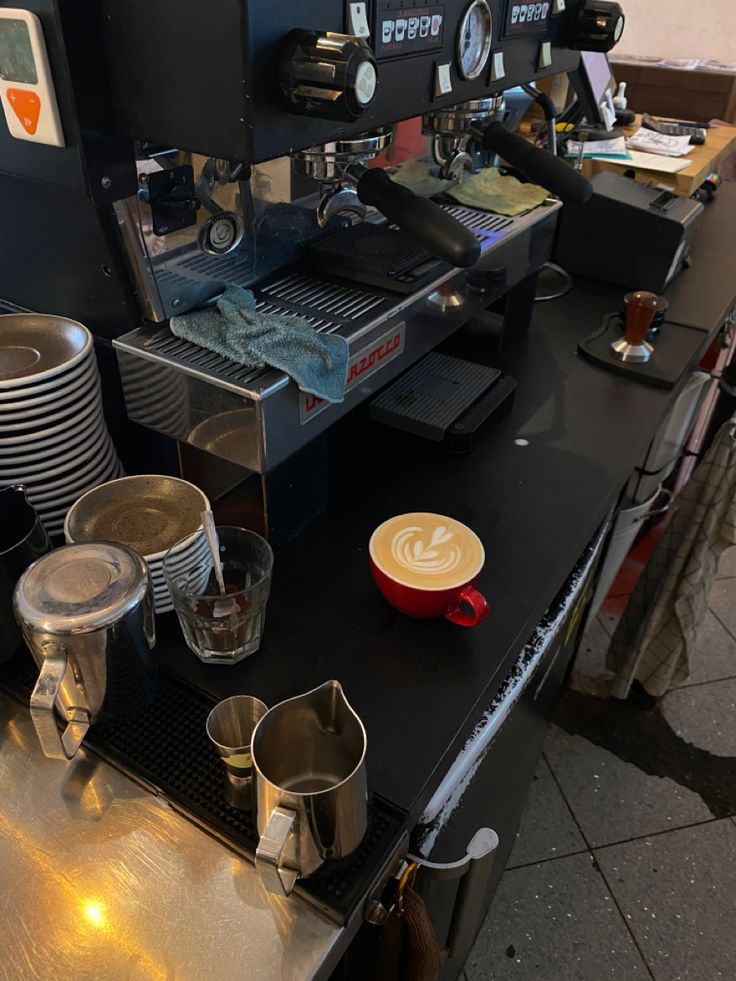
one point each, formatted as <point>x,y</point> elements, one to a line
<point>213,543</point>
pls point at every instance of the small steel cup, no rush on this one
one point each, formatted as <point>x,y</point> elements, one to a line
<point>230,727</point>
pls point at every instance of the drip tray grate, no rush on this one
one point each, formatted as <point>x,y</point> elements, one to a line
<point>167,748</point>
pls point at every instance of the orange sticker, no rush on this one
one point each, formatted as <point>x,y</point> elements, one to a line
<point>27,107</point>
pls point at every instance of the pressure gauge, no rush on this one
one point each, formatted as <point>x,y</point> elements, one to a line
<point>474,39</point>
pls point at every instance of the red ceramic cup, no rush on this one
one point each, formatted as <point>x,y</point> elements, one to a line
<point>461,602</point>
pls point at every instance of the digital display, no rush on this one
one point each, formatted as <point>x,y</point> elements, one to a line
<point>16,54</point>
<point>527,18</point>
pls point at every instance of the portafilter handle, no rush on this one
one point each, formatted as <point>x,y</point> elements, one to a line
<point>427,223</point>
<point>640,311</point>
<point>540,166</point>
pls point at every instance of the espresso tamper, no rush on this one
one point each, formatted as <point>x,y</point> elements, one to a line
<point>640,311</point>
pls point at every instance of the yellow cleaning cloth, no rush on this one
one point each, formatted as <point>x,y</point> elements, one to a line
<point>490,191</point>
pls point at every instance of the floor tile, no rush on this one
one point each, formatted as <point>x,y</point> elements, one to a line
<point>613,800</point>
<point>678,892</point>
<point>547,828</point>
<point>704,716</point>
<point>727,565</point>
<point>554,922</point>
<point>715,653</point>
<point>723,603</point>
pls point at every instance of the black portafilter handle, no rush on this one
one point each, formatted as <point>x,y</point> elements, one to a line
<point>421,219</point>
<point>538,165</point>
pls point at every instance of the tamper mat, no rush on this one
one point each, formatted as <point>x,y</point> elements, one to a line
<point>675,348</point>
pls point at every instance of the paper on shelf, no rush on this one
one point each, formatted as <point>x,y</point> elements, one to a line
<point>655,161</point>
<point>599,148</point>
<point>651,142</point>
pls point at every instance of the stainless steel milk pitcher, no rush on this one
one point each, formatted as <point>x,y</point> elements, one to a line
<point>311,786</point>
<point>86,612</point>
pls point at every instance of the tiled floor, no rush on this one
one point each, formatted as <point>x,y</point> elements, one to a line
<point>625,862</point>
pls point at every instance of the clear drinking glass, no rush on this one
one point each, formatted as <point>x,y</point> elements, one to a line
<point>223,629</point>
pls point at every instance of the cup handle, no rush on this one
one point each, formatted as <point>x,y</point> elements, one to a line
<point>55,745</point>
<point>276,877</point>
<point>478,605</point>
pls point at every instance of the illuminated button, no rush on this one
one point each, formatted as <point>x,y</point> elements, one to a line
<point>498,69</point>
<point>545,56</point>
<point>27,107</point>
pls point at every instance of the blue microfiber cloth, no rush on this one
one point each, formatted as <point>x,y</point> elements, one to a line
<point>318,363</point>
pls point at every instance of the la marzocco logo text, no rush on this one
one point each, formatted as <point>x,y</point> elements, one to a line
<point>361,365</point>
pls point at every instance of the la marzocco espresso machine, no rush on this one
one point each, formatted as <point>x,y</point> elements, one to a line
<point>196,146</point>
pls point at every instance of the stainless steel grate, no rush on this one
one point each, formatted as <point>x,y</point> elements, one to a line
<point>174,350</point>
<point>187,355</point>
<point>329,298</point>
<point>479,219</point>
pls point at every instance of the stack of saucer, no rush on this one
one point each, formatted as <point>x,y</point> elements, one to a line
<point>151,513</point>
<point>53,436</point>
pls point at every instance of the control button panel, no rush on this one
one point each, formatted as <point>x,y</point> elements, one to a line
<point>403,28</point>
<point>26,86</point>
<point>527,18</point>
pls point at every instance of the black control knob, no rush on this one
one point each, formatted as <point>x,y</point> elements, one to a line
<point>597,26</point>
<point>333,76</point>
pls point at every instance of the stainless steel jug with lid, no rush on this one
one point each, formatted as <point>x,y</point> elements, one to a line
<point>86,613</point>
<point>311,787</point>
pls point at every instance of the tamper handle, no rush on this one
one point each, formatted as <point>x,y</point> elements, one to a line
<point>640,310</point>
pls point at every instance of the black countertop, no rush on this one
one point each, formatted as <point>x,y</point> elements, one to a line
<point>419,686</point>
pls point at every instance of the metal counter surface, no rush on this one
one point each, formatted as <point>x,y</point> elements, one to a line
<point>101,880</point>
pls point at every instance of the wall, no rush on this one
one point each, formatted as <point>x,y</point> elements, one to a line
<point>670,29</point>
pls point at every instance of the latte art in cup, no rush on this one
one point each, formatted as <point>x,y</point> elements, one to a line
<point>429,551</point>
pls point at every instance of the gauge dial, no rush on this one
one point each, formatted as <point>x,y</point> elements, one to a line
<point>474,39</point>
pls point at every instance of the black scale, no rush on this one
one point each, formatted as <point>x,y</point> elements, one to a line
<point>379,255</point>
<point>166,747</point>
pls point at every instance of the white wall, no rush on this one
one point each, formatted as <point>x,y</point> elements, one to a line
<point>680,29</point>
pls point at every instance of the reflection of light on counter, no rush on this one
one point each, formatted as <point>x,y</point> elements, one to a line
<point>94,912</point>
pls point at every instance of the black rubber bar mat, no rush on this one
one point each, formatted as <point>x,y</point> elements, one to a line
<point>167,747</point>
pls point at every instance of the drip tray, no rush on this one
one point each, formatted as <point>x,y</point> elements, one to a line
<point>167,748</point>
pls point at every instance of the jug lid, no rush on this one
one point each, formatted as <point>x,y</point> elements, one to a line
<point>79,588</point>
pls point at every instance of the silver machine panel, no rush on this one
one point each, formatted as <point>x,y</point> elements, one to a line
<point>256,418</point>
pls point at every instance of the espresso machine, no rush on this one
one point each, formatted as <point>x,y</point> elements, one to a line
<point>193,149</point>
